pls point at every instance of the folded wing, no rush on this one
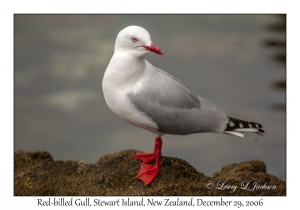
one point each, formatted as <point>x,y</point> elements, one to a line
<point>175,108</point>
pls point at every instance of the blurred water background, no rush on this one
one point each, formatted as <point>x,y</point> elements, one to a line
<point>235,61</point>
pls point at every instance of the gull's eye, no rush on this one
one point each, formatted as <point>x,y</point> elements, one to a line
<point>134,39</point>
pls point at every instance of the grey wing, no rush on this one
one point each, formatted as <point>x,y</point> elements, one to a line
<point>175,108</point>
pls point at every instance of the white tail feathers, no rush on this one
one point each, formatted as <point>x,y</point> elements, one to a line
<point>254,130</point>
<point>235,133</point>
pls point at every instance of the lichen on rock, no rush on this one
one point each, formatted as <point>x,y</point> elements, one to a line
<point>36,173</point>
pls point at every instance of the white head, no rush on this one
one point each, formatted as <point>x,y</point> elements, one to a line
<point>135,40</point>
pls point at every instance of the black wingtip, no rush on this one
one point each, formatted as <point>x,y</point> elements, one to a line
<point>236,123</point>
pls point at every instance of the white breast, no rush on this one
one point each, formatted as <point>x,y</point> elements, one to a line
<point>116,85</point>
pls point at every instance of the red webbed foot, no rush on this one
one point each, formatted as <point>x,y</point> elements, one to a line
<point>145,157</point>
<point>148,172</point>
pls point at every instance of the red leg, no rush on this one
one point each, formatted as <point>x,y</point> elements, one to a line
<point>148,157</point>
<point>149,172</point>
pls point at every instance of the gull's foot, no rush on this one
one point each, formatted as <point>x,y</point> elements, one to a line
<point>147,173</point>
<point>145,157</point>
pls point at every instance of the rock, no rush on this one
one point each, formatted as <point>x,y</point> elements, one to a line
<point>251,177</point>
<point>37,174</point>
<point>26,160</point>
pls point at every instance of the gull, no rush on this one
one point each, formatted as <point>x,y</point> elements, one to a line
<point>150,98</point>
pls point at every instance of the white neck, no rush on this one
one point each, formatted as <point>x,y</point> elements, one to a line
<point>125,69</point>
